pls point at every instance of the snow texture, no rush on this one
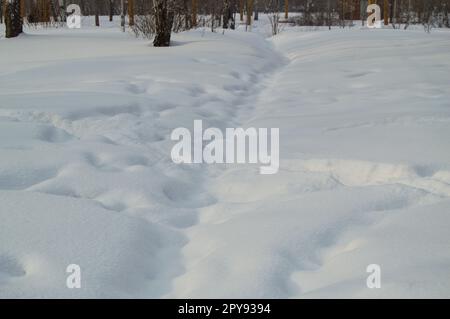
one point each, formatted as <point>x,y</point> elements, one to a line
<point>86,176</point>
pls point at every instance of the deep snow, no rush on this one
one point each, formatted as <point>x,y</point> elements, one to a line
<point>86,175</point>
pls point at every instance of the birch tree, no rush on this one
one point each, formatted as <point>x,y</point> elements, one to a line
<point>164,17</point>
<point>228,20</point>
<point>272,9</point>
<point>13,19</point>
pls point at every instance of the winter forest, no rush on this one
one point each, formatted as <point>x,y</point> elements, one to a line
<point>156,18</point>
<point>224,149</point>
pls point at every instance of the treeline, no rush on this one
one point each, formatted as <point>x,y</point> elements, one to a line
<point>345,9</point>
<point>158,18</point>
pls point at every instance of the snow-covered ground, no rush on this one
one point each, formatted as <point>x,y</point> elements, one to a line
<point>86,175</point>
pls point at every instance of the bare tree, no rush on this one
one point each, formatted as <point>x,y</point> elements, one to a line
<point>408,16</point>
<point>272,7</point>
<point>228,13</point>
<point>428,16</point>
<point>394,12</point>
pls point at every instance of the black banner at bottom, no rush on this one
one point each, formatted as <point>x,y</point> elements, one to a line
<point>226,308</point>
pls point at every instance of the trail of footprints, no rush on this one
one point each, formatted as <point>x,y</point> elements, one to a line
<point>145,154</point>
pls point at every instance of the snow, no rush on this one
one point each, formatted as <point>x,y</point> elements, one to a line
<point>86,175</point>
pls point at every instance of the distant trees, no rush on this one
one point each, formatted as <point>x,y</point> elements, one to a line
<point>158,18</point>
<point>345,12</point>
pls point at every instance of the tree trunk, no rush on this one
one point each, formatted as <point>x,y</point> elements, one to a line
<point>13,20</point>
<point>130,12</point>
<point>308,18</point>
<point>329,14</point>
<point>111,9</point>
<point>164,16</point>
<point>187,15</point>
<point>1,11</point>
<point>83,6</point>
<point>122,15</point>
<point>45,11</point>
<point>97,18</point>
<point>241,9</point>
<point>395,12</point>
<point>446,20</point>
<point>22,8</point>
<point>386,12</point>
<point>227,15</point>
<point>54,8</point>
<point>213,15</point>
<point>408,16</point>
<point>194,12</point>
<point>249,12</point>
<point>356,9</point>
<point>42,11</point>
<point>286,9</point>
<point>420,12</point>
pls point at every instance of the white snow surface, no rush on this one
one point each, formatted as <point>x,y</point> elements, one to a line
<point>86,175</point>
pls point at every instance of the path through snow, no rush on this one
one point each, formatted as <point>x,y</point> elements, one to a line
<point>86,175</point>
<point>85,170</point>
<point>364,177</point>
